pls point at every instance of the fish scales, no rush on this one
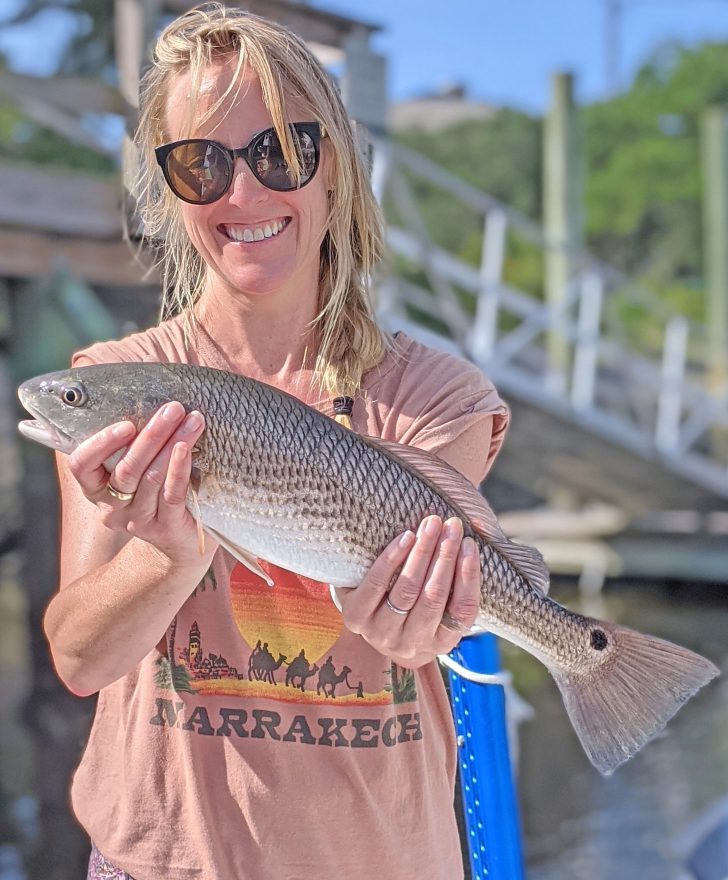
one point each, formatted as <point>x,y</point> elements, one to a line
<point>280,481</point>
<point>347,490</point>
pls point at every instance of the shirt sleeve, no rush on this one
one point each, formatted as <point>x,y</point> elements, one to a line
<point>121,351</point>
<point>460,416</point>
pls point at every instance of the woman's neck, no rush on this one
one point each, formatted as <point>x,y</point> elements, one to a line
<point>260,339</point>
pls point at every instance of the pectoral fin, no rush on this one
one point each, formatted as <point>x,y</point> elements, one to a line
<point>243,556</point>
<point>197,514</point>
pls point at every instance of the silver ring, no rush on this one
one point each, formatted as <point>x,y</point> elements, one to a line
<point>452,623</point>
<point>120,496</point>
<point>395,609</point>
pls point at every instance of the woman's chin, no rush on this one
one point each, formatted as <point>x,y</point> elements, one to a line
<point>255,286</point>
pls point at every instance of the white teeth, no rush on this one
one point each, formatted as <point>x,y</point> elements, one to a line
<point>237,233</point>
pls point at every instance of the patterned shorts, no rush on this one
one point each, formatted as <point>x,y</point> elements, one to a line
<point>100,868</point>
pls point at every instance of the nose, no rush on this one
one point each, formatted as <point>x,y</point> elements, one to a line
<point>246,188</point>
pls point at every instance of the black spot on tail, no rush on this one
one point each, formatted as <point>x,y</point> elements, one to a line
<point>599,639</point>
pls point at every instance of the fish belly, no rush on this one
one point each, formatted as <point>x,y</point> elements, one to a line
<point>308,541</point>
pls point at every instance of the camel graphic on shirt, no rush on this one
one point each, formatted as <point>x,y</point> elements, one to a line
<point>301,669</point>
<point>296,619</point>
<point>329,679</point>
<point>262,665</point>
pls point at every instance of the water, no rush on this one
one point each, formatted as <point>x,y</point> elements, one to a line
<point>579,825</point>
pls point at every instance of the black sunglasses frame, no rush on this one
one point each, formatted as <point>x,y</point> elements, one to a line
<point>313,129</point>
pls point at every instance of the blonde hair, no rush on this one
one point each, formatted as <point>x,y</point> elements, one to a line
<point>350,340</point>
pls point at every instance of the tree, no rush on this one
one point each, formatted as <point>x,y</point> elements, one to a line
<point>643,186</point>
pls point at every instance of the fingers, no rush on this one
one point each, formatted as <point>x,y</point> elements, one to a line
<point>128,473</point>
<point>359,605</point>
<point>437,583</point>
<point>86,462</point>
<point>178,477</point>
<point>463,605</point>
<point>408,586</point>
<point>155,468</point>
<point>167,476</point>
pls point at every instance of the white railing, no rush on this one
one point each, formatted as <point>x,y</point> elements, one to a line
<point>655,395</point>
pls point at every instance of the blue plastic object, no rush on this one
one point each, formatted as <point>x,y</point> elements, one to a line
<point>486,777</point>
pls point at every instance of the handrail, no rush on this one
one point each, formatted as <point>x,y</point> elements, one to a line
<point>659,398</point>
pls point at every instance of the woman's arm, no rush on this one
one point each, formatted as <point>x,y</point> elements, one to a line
<point>126,567</point>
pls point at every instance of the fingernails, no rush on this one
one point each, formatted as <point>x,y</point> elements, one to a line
<point>123,429</point>
<point>192,423</point>
<point>453,528</point>
<point>406,539</point>
<point>170,413</point>
<point>468,547</point>
<point>433,526</point>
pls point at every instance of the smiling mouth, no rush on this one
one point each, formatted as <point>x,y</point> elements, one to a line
<point>261,232</point>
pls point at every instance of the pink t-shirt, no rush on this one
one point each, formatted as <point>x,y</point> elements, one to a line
<point>284,747</point>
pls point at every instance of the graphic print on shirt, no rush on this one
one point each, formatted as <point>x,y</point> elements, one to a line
<point>290,646</point>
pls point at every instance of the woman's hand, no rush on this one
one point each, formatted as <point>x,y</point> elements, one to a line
<point>440,576</point>
<point>155,471</point>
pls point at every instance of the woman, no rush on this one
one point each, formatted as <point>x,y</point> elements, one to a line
<point>244,732</point>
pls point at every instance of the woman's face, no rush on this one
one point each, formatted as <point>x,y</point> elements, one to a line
<point>285,264</point>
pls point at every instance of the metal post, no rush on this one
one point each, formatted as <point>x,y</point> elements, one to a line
<point>587,341</point>
<point>715,235</point>
<point>364,82</point>
<point>485,328</point>
<point>669,402</point>
<point>562,222</point>
<point>489,797</point>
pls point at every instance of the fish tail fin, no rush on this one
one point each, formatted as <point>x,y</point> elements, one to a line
<point>631,694</point>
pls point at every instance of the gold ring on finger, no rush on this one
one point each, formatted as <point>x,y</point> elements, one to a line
<point>120,496</point>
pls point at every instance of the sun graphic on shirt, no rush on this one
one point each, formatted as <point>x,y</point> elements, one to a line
<point>297,613</point>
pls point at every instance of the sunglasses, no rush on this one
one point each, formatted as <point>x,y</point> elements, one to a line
<point>201,171</point>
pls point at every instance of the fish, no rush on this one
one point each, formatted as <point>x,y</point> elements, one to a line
<point>277,480</point>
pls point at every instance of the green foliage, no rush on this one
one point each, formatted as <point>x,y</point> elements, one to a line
<point>643,186</point>
<point>172,678</point>
<point>88,52</point>
<point>404,684</point>
<point>501,155</point>
<point>643,177</point>
<point>24,141</point>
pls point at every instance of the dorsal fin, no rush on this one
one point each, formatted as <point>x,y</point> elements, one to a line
<point>457,490</point>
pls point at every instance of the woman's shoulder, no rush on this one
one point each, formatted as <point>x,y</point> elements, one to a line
<point>164,343</point>
<point>412,371</point>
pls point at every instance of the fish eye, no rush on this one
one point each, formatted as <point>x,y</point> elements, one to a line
<point>73,395</point>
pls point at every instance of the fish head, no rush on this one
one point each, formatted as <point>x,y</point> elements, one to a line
<point>71,405</point>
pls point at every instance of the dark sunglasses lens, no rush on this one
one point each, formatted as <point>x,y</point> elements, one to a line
<point>266,157</point>
<point>198,171</point>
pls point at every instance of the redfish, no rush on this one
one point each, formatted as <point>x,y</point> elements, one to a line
<point>275,479</point>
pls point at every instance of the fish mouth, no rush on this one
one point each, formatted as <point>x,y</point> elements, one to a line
<point>40,430</point>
